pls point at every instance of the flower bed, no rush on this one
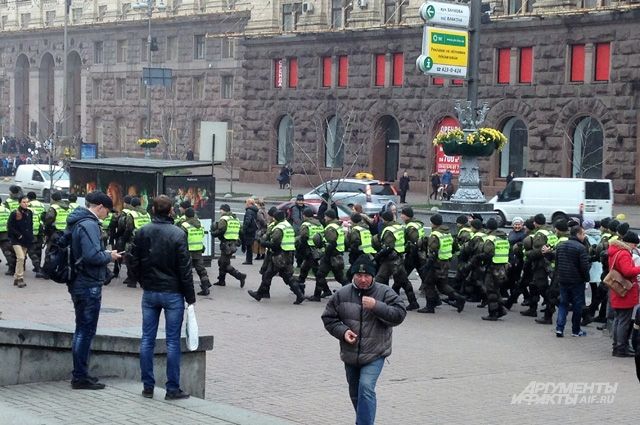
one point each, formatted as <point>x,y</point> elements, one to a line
<point>482,142</point>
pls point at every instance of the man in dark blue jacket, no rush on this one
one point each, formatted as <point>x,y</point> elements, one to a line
<point>161,263</point>
<point>86,289</point>
<point>572,271</point>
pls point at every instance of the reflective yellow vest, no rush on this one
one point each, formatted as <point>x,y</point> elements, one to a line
<point>61,217</point>
<point>340,231</point>
<point>195,237</point>
<point>13,204</point>
<point>365,239</point>
<point>288,235</point>
<point>418,225</point>
<point>313,229</point>
<point>140,219</point>
<point>233,227</point>
<point>4,218</point>
<point>37,208</point>
<point>500,250</point>
<point>398,234</point>
<point>73,206</point>
<point>445,251</point>
<point>106,222</point>
<point>552,239</point>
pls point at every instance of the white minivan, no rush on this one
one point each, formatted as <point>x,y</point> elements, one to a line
<point>40,178</point>
<point>555,198</point>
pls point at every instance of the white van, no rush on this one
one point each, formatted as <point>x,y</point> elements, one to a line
<point>38,178</point>
<point>555,198</point>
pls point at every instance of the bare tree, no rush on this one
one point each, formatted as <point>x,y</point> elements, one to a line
<point>584,149</point>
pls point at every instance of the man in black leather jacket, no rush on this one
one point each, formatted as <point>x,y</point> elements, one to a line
<point>161,263</point>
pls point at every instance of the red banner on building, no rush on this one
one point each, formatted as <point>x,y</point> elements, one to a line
<point>445,162</point>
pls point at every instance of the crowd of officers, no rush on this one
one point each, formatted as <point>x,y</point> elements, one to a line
<point>490,266</point>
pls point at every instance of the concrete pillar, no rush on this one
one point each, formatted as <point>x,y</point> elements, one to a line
<point>589,65</point>
<point>84,78</point>
<point>34,100</point>
<point>11,127</point>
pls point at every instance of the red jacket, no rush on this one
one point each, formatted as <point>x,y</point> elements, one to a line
<point>620,251</point>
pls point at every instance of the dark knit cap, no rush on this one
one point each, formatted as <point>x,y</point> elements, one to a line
<point>462,219</point>
<point>408,211</point>
<point>356,218</point>
<point>279,215</point>
<point>225,207</point>
<point>272,211</point>
<point>491,224</point>
<point>307,212</point>
<point>561,225</point>
<point>363,265</point>
<point>189,212</point>
<point>127,199</point>
<point>331,213</point>
<point>14,189</point>
<point>56,196</point>
<point>539,219</point>
<point>436,219</point>
<point>99,198</point>
<point>387,216</point>
<point>604,223</point>
<point>623,228</point>
<point>613,225</point>
<point>476,224</point>
<point>631,237</point>
<point>135,201</point>
<point>528,223</point>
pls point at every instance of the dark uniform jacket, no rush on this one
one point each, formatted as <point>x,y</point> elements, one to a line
<point>572,263</point>
<point>373,327</point>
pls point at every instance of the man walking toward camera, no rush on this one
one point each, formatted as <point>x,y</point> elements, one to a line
<point>86,289</point>
<point>160,261</point>
<point>361,317</point>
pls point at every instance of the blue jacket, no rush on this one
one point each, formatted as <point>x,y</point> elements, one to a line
<point>86,245</point>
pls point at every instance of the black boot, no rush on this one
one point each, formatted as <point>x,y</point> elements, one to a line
<point>256,295</point>
<point>296,290</point>
<point>205,285</point>
<point>532,312</point>
<point>429,308</point>
<point>220,282</point>
<point>548,316</point>
<point>460,301</point>
<point>243,279</point>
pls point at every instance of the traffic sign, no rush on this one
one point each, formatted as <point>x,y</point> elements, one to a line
<point>445,52</point>
<point>448,14</point>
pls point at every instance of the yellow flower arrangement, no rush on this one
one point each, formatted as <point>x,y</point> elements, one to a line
<point>148,143</point>
<point>483,136</point>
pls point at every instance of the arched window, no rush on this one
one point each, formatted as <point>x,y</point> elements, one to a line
<point>285,140</point>
<point>587,143</point>
<point>334,143</point>
<point>515,155</point>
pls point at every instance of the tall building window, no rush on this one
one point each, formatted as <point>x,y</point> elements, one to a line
<point>102,12</point>
<point>334,143</point>
<point>76,15</point>
<point>172,48</point>
<point>144,50</point>
<point>285,140</point>
<point>198,87</point>
<point>290,16</point>
<point>97,89</point>
<point>98,52</point>
<point>25,20</point>
<point>397,69</point>
<point>198,46</point>
<point>343,71</point>
<point>293,72</point>
<point>504,66</point>
<point>50,18</point>
<point>577,63</point>
<point>602,61</point>
<point>525,64</point>
<point>227,87</point>
<point>515,157</point>
<point>277,73</point>
<point>121,134</point>
<point>437,81</point>
<point>587,158</point>
<point>326,71</point>
<point>121,51</point>
<point>380,70</point>
<point>227,48</point>
<point>98,133</point>
<point>120,88</point>
<point>394,11</point>
<point>336,14</point>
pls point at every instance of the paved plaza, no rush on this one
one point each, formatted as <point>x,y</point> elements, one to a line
<point>275,358</point>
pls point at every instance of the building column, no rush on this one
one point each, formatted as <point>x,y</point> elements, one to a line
<point>34,101</point>
<point>11,126</point>
<point>84,78</point>
<point>58,101</point>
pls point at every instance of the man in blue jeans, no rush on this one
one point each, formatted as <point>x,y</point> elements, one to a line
<point>161,263</point>
<point>86,289</point>
<point>572,271</point>
<point>361,317</point>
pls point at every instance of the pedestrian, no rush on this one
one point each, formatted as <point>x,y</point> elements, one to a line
<point>55,221</point>
<point>333,258</point>
<point>136,218</point>
<point>592,239</point>
<point>195,240</point>
<point>325,204</point>
<point>20,229</point>
<point>435,185</point>
<point>446,180</point>
<point>160,261</point>
<point>227,230</point>
<point>404,186</point>
<point>284,178</point>
<point>361,317</point>
<point>5,242</point>
<point>262,220</point>
<point>249,228</point>
<point>35,250</point>
<point>306,246</point>
<point>295,213</point>
<point>510,176</point>
<point>571,273</point>
<point>620,260</point>
<point>86,288</point>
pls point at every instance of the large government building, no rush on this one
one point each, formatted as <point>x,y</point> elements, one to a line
<point>329,87</point>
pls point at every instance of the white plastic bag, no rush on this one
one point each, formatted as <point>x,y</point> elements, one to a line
<point>192,329</point>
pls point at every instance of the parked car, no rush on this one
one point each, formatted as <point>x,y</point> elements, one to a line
<point>344,213</point>
<point>555,198</point>
<point>371,194</point>
<point>41,178</point>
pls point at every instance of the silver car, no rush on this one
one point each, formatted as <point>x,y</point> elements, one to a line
<point>371,194</point>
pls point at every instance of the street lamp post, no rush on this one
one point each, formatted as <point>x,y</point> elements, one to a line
<point>149,6</point>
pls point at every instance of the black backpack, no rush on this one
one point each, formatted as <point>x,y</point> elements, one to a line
<point>60,264</point>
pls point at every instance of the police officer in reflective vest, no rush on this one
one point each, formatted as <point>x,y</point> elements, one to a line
<point>414,256</point>
<point>439,248</point>
<point>332,260</point>
<point>460,239</point>
<point>195,239</point>
<point>35,250</point>
<point>73,202</point>
<point>227,230</point>
<point>474,282</point>
<point>5,243</point>
<point>55,221</point>
<point>281,242</point>
<point>136,218</point>
<point>389,258</point>
<point>13,201</point>
<point>359,240</point>
<point>119,230</point>
<point>544,239</point>
<point>182,208</point>
<point>306,246</point>
<point>495,256</point>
